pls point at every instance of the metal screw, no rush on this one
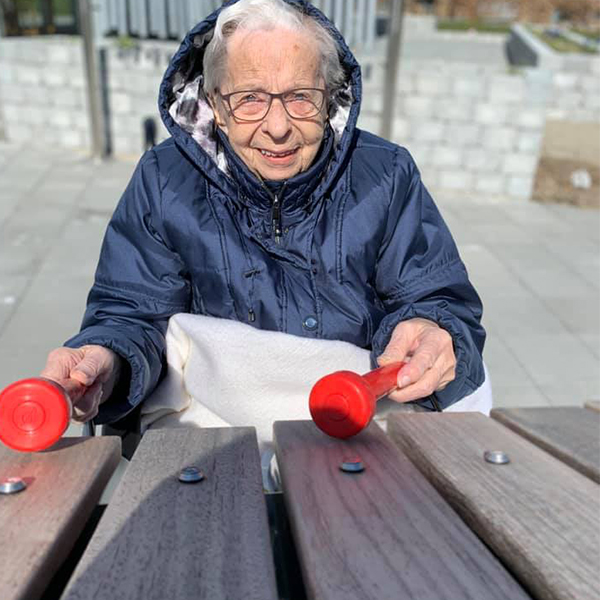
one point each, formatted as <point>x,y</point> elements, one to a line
<point>352,465</point>
<point>496,457</point>
<point>12,485</point>
<point>191,475</point>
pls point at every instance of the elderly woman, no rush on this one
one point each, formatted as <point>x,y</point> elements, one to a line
<point>268,206</point>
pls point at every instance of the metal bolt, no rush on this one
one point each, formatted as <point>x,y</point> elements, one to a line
<point>352,465</point>
<point>12,485</point>
<point>496,457</point>
<point>191,475</point>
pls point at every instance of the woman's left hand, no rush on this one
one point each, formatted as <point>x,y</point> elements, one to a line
<point>429,353</point>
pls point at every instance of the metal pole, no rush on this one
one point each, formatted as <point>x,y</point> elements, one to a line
<point>93,79</point>
<point>392,65</point>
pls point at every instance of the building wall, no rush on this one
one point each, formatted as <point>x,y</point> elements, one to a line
<point>42,90</point>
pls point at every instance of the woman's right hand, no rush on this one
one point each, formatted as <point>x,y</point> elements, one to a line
<point>88,374</point>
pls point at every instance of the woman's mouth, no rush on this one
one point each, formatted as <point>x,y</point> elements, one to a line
<point>281,157</point>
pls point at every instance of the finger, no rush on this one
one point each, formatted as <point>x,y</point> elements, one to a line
<point>401,342</point>
<point>423,359</point>
<point>434,380</point>
<point>422,388</point>
<point>74,389</point>
<point>87,406</point>
<point>60,362</point>
<point>93,365</point>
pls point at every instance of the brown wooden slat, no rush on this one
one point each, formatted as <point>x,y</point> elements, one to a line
<point>570,433</point>
<point>593,405</point>
<point>162,539</point>
<point>538,515</point>
<point>382,534</point>
<point>40,525</point>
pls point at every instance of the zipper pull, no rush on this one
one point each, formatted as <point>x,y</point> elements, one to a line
<point>251,316</point>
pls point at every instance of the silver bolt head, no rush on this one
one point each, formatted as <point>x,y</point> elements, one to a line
<point>496,457</point>
<point>352,465</point>
<point>191,475</point>
<point>12,485</point>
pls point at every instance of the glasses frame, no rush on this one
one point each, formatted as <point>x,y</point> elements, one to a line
<point>280,96</point>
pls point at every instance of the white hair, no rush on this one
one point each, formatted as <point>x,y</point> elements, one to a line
<point>265,15</point>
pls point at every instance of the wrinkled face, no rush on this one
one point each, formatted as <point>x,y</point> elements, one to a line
<point>279,146</point>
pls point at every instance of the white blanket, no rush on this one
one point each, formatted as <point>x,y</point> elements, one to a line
<point>225,373</point>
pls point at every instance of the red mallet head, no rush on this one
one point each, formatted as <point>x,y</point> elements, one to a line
<point>34,413</point>
<point>342,404</point>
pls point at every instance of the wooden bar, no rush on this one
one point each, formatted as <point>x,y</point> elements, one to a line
<point>539,516</point>
<point>41,524</point>
<point>382,534</point>
<point>163,539</point>
<point>593,405</point>
<point>570,433</point>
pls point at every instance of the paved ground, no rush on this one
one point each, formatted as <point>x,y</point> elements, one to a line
<point>536,266</point>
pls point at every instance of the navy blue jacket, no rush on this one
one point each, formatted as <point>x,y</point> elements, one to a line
<point>363,246</point>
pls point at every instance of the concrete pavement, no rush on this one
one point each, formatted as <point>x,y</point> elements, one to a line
<point>536,266</point>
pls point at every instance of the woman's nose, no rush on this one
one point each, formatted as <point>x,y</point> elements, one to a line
<point>277,122</point>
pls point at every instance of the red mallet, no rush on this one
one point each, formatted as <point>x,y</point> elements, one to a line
<point>342,404</point>
<point>34,413</point>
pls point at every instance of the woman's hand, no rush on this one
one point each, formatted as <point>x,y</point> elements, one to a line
<point>429,353</point>
<point>88,374</point>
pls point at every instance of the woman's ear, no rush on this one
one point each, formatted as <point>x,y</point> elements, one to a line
<point>218,110</point>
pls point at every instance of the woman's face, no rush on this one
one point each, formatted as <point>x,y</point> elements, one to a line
<point>272,61</point>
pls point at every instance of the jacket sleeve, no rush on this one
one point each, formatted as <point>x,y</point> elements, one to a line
<point>140,282</point>
<point>420,274</point>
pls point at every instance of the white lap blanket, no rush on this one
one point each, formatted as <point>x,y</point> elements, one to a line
<point>225,373</point>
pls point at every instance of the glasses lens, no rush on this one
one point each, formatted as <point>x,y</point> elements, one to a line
<point>249,105</point>
<point>303,103</point>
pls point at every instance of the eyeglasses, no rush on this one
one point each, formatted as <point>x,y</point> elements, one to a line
<point>252,105</point>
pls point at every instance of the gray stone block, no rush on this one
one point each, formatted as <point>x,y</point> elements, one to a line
<point>520,187</point>
<point>60,54</point>
<point>447,156</point>
<point>417,106</point>
<point>530,142</point>
<point>8,74</point>
<point>569,99</point>
<point>531,118</point>
<point>61,118</point>
<point>455,179</point>
<point>499,138</point>
<point>489,183</point>
<point>121,103</point>
<point>55,77</point>
<point>70,138</point>
<point>490,114</point>
<point>481,160</point>
<point>428,131</point>
<point>564,80</point>
<point>455,109</point>
<point>464,134</point>
<point>28,75</point>
<point>520,164</point>
<point>433,84</point>
<point>472,87</point>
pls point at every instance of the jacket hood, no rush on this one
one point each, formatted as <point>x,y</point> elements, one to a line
<point>189,119</point>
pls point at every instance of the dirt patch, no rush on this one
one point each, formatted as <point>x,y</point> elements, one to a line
<point>569,147</point>
<point>553,182</point>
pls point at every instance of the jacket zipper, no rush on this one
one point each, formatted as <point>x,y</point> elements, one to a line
<point>276,212</point>
<point>276,218</point>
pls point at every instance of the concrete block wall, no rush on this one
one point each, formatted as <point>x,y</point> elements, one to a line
<point>469,128</point>
<point>42,90</point>
<point>134,76</point>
